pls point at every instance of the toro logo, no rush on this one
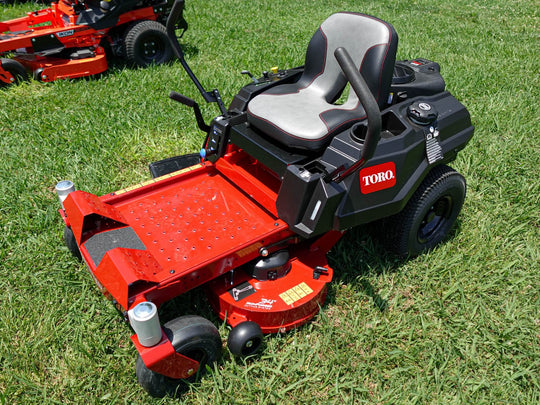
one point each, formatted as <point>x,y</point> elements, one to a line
<point>377,177</point>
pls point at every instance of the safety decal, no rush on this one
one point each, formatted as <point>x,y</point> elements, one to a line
<point>249,250</point>
<point>242,291</point>
<point>377,177</point>
<point>296,293</point>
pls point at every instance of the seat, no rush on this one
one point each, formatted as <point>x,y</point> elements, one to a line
<point>303,115</point>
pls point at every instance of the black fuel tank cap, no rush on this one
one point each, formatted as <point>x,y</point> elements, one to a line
<point>422,113</point>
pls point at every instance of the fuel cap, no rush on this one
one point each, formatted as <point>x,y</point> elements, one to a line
<point>422,113</point>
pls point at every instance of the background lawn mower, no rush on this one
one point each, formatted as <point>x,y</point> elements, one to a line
<point>284,171</point>
<point>68,39</point>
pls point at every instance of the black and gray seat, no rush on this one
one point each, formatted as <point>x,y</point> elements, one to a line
<point>303,115</point>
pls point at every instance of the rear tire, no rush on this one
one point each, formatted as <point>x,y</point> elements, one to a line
<point>146,43</point>
<point>429,215</point>
<point>192,336</point>
<point>16,69</point>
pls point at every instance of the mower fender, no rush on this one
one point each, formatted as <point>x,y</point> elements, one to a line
<point>163,359</point>
<point>307,202</point>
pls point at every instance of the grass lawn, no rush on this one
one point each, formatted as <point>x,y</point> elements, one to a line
<point>458,325</point>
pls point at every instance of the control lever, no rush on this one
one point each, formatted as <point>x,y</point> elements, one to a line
<point>173,95</point>
<point>174,21</point>
<point>247,72</point>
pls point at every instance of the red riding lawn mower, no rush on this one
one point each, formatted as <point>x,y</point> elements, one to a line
<point>284,171</point>
<point>68,39</point>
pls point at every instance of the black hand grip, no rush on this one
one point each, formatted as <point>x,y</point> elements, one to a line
<point>173,95</point>
<point>370,105</point>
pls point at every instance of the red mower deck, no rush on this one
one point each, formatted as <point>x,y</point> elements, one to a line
<point>162,239</point>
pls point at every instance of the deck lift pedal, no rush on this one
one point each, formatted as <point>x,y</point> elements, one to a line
<point>68,39</point>
<point>274,188</point>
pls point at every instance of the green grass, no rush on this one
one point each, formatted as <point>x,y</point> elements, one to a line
<point>458,325</point>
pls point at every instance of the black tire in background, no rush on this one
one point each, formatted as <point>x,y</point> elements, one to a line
<point>146,43</point>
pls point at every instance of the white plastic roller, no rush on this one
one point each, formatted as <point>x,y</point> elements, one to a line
<point>63,189</point>
<point>144,320</point>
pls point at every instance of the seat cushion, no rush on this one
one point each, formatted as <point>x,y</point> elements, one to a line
<point>303,119</point>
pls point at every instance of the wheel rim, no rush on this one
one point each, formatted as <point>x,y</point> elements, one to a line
<point>151,48</point>
<point>251,346</point>
<point>7,80</point>
<point>16,73</point>
<point>435,219</point>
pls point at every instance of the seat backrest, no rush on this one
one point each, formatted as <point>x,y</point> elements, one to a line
<point>372,44</point>
<point>303,115</point>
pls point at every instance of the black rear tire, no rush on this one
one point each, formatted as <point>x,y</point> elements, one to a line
<point>16,69</point>
<point>146,43</point>
<point>194,337</point>
<point>428,216</point>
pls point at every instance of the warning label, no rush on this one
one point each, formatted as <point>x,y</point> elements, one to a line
<point>296,293</point>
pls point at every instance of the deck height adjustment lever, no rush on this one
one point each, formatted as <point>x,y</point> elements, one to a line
<point>317,271</point>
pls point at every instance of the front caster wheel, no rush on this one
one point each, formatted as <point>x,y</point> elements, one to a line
<point>71,243</point>
<point>192,336</point>
<point>245,339</point>
<point>16,73</point>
